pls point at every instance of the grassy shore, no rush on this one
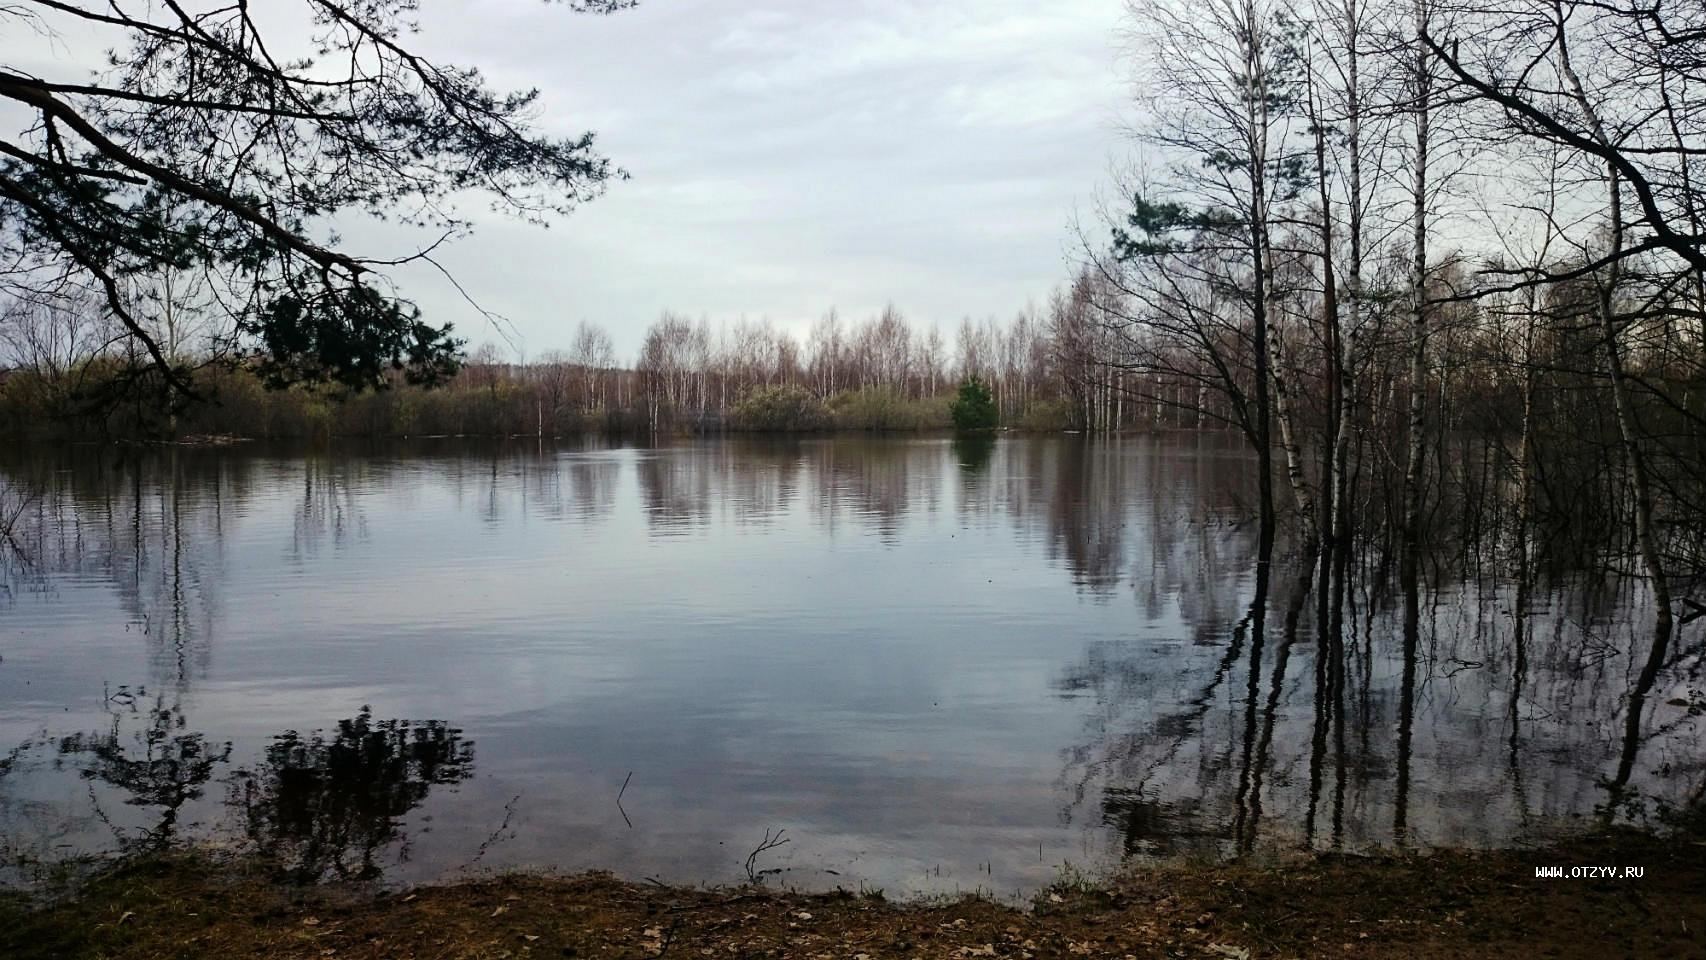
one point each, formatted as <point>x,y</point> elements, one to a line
<point>1454,904</point>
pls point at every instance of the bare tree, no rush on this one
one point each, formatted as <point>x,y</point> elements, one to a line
<point>592,354</point>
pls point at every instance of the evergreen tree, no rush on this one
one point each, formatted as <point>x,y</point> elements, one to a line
<point>974,406</point>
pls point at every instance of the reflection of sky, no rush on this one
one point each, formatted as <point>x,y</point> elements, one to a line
<point>907,663</point>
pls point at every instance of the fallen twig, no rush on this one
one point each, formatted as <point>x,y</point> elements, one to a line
<point>769,843</point>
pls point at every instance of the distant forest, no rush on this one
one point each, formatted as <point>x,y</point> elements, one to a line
<point>66,374</point>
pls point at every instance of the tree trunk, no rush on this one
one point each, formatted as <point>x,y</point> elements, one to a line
<point>1629,432</point>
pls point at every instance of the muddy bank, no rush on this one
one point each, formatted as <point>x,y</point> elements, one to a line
<point>1448,904</point>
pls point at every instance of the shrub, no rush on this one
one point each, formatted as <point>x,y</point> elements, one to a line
<point>777,409</point>
<point>879,409</point>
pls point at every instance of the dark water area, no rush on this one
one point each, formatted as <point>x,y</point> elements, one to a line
<point>935,665</point>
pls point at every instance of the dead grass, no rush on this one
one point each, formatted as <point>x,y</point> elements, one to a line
<point>1445,905</point>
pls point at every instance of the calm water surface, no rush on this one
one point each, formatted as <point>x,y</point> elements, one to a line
<point>936,666</point>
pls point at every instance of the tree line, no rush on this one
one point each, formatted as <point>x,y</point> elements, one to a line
<point>64,371</point>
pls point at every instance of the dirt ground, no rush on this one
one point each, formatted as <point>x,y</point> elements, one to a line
<point>1455,904</point>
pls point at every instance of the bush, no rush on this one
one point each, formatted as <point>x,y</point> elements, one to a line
<point>778,409</point>
<point>878,409</point>
<point>974,407</point>
<point>1046,416</point>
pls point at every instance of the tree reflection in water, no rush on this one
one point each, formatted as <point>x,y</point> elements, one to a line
<point>1150,690</point>
<point>161,768</point>
<point>322,806</point>
<point>973,451</point>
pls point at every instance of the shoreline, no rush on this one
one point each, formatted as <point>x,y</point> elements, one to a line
<point>1453,903</point>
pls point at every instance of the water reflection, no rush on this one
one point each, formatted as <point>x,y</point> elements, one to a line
<point>159,767</point>
<point>677,492</point>
<point>328,512</point>
<point>974,450</point>
<point>327,806</point>
<point>916,655</point>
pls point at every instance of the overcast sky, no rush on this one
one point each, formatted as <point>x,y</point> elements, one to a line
<point>791,155</point>
<point>786,156</point>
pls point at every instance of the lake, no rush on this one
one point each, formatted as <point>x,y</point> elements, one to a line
<point>928,665</point>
